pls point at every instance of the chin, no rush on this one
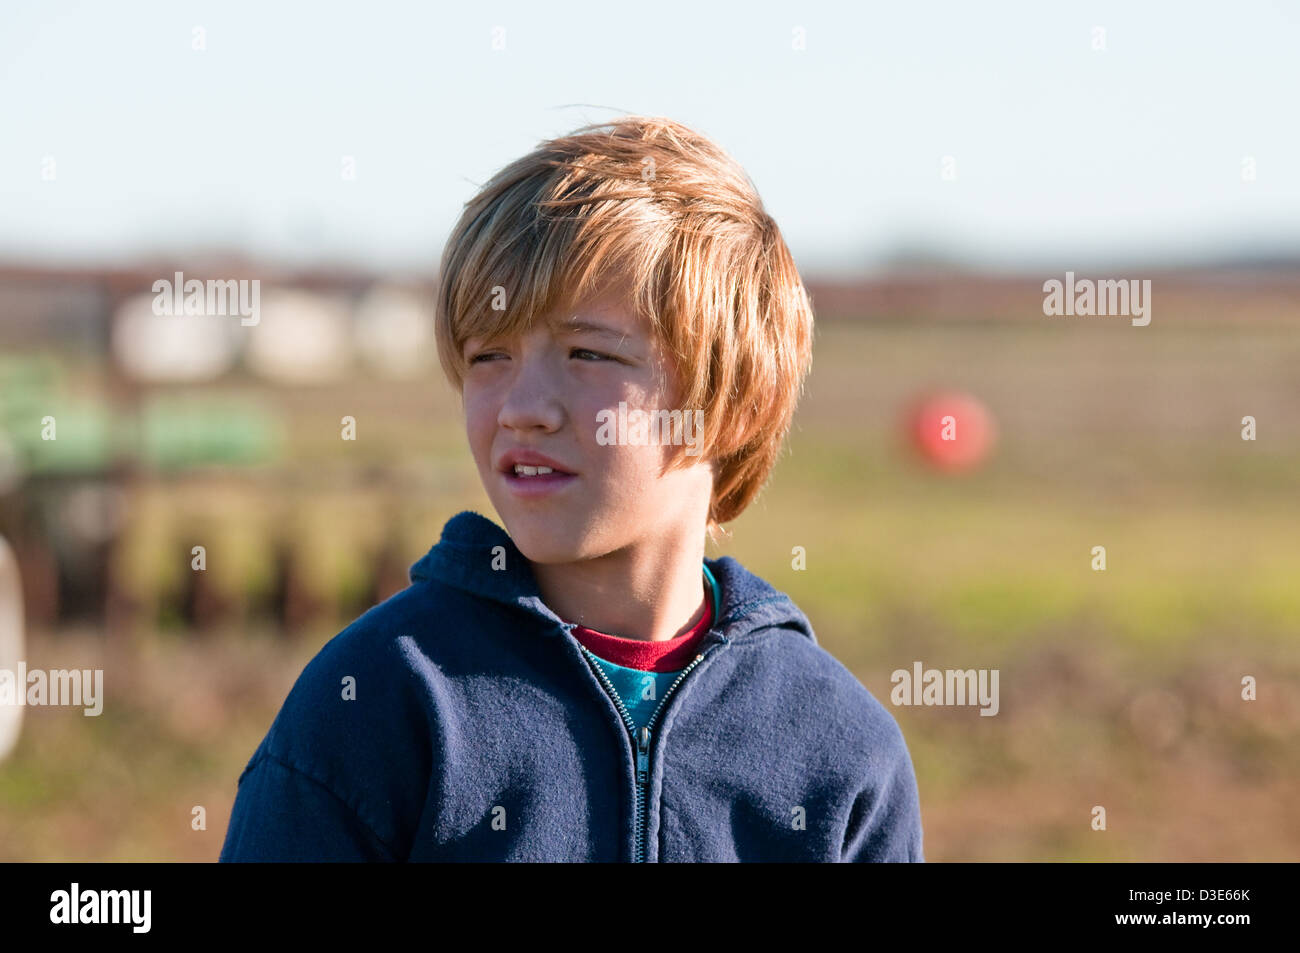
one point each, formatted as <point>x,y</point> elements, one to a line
<point>538,543</point>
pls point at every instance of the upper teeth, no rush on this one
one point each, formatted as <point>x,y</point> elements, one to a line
<point>531,471</point>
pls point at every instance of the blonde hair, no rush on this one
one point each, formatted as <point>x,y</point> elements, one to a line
<point>651,200</point>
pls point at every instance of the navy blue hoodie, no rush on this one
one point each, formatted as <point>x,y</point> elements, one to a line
<point>459,720</point>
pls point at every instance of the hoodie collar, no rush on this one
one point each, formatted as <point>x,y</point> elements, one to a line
<point>466,553</point>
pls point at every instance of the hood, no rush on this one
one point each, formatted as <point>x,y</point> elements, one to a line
<point>463,557</point>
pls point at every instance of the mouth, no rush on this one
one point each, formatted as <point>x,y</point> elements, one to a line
<point>533,481</point>
<point>530,474</point>
<point>526,462</point>
<point>528,470</point>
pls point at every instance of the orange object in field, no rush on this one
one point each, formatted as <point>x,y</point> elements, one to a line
<point>951,431</point>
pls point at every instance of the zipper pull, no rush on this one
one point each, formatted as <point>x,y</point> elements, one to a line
<point>643,755</point>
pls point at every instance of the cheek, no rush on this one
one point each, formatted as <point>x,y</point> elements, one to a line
<point>632,466</point>
<point>631,473</point>
<point>480,421</point>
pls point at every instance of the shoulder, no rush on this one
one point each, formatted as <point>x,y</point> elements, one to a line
<point>361,721</point>
<point>366,656</point>
<point>819,684</point>
<point>776,649</point>
<point>846,738</point>
<point>392,642</point>
<point>357,709</point>
<point>855,743</point>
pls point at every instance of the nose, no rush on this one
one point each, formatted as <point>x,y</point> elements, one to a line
<point>532,399</point>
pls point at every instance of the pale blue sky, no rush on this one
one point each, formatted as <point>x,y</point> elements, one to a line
<point>1064,156</point>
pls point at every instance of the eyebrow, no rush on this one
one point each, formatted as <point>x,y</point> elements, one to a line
<point>591,327</point>
<point>576,324</point>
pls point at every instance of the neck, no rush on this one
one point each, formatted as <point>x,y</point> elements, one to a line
<point>649,593</point>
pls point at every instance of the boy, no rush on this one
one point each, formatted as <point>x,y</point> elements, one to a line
<point>629,335</point>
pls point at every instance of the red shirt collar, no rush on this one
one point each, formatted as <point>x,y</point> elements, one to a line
<point>669,655</point>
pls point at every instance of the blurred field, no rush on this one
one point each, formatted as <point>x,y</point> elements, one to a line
<point>1119,688</point>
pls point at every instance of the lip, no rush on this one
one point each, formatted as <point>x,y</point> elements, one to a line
<point>536,487</point>
<point>530,458</point>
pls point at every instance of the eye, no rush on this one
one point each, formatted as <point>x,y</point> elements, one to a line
<point>597,355</point>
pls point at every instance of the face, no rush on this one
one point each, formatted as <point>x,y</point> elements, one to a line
<point>548,393</point>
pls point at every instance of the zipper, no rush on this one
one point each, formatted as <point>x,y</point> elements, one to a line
<point>641,741</point>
